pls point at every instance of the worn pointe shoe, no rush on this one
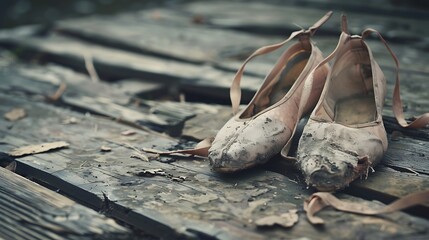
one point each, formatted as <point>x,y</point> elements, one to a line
<point>345,135</point>
<point>268,122</point>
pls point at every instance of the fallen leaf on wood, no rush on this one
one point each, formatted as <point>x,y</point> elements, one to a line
<point>201,149</point>
<point>105,149</point>
<point>38,148</point>
<point>128,132</point>
<point>140,156</point>
<point>151,172</point>
<point>15,114</point>
<point>286,220</point>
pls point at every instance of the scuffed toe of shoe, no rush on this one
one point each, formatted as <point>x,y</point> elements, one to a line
<point>331,156</point>
<point>251,143</point>
<point>328,177</point>
<point>231,160</point>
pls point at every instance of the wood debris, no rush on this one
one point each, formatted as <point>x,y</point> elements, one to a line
<point>286,220</point>
<point>128,132</point>
<point>15,114</point>
<point>105,148</point>
<point>71,120</point>
<point>151,172</point>
<point>37,148</point>
<point>139,155</point>
<point>178,179</point>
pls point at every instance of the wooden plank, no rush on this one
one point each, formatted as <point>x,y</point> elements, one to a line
<point>118,64</point>
<point>382,7</point>
<point>206,120</point>
<point>414,68</point>
<point>188,42</point>
<point>408,154</point>
<point>276,18</point>
<point>182,40</point>
<point>191,41</point>
<point>204,204</point>
<point>120,92</point>
<point>31,211</point>
<point>207,123</point>
<point>116,100</point>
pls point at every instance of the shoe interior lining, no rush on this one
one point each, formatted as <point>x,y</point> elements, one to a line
<point>351,91</point>
<point>289,75</point>
<point>280,85</point>
<point>355,110</point>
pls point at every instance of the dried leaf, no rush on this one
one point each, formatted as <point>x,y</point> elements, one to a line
<point>151,172</point>
<point>128,132</point>
<point>140,156</point>
<point>286,220</point>
<point>15,114</point>
<point>38,148</point>
<point>105,149</point>
<point>201,149</point>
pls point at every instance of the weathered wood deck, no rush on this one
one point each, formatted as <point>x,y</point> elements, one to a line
<point>146,62</point>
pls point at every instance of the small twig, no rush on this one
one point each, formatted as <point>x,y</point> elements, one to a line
<point>89,64</point>
<point>60,91</point>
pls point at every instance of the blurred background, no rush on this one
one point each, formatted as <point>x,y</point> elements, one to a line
<point>23,12</point>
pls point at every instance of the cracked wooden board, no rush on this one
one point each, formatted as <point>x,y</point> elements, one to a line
<point>203,204</point>
<point>29,210</point>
